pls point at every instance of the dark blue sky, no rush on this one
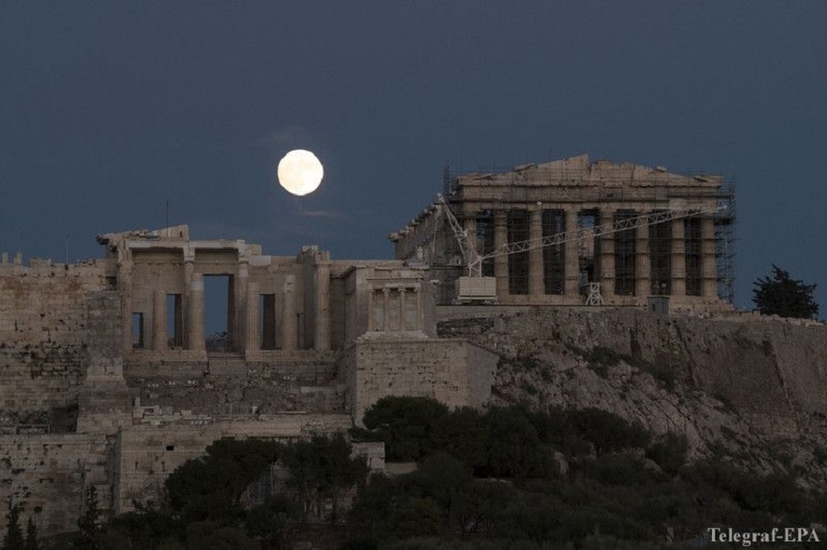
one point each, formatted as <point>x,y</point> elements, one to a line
<point>110,109</point>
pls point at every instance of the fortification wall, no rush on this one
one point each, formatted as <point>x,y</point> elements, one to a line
<point>453,371</point>
<point>47,475</point>
<point>44,334</point>
<point>144,455</point>
<point>227,385</point>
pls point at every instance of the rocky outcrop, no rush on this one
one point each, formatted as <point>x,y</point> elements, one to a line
<point>754,388</point>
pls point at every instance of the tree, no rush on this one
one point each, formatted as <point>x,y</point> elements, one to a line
<point>407,425</point>
<point>31,536</point>
<point>14,535</point>
<point>210,487</point>
<point>88,523</point>
<point>322,467</point>
<point>780,294</point>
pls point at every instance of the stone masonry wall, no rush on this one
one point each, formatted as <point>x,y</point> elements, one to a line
<point>146,454</point>
<point>455,372</point>
<point>47,475</point>
<point>43,335</point>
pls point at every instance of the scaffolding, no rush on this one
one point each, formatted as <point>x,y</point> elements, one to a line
<point>660,258</point>
<point>725,243</point>
<point>518,263</point>
<point>659,274</point>
<point>554,256</point>
<point>625,251</point>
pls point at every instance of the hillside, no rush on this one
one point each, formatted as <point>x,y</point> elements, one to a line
<point>754,389</point>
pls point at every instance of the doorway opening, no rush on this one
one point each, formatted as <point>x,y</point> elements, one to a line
<point>175,321</point>
<point>267,321</point>
<point>219,312</point>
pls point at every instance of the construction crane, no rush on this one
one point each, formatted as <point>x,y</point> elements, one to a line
<point>475,287</point>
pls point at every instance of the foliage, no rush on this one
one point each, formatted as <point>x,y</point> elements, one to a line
<point>406,424</point>
<point>372,510</point>
<point>89,521</point>
<point>31,536</point>
<point>669,452</point>
<point>212,535</point>
<point>610,498</point>
<point>209,488</point>
<point>513,446</point>
<point>322,467</point>
<point>417,517</point>
<point>144,528</point>
<point>607,431</point>
<point>14,534</point>
<point>780,294</point>
<point>274,522</point>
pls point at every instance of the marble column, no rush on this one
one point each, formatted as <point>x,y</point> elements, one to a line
<point>386,304</point>
<point>572,254</point>
<point>536,283</point>
<point>709,267</point>
<point>607,257</point>
<point>196,313</point>
<point>501,261</point>
<point>322,313</point>
<point>678,258</point>
<point>371,313</point>
<point>159,320</point>
<point>402,314</point>
<point>252,339</point>
<point>238,321</point>
<point>288,314</point>
<point>643,263</point>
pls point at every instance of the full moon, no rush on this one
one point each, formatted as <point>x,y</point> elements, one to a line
<point>300,172</point>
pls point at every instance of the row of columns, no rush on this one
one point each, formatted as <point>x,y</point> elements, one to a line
<point>604,255</point>
<point>244,309</point>
<point>387,298</point>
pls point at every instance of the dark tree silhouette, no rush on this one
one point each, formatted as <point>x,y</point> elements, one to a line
<point>780,294</point>
<point>14,535</point>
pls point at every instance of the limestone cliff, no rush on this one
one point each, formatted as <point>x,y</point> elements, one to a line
<point>753,388</point>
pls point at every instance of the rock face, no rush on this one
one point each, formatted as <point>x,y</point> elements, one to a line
<point>753,387</point>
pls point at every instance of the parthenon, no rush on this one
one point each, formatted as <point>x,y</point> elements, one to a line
<point>628,232</point>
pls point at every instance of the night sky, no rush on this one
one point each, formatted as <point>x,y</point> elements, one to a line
<point>111,110</point>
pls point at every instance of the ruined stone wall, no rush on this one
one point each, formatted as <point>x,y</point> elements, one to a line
<point>455,372</point>
<point>47,475</point>
<point>44,334</point>
<point>145,455</point>
<point>227,385</point>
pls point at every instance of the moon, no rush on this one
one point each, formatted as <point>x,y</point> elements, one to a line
<point>300,172</point>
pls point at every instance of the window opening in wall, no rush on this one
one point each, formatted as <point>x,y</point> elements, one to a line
<point>267,321</point>
<point>175,322</point>
<point>517,221</point>
<point>137,330</point>
<point>485,240</point>
<point>692,248</point>
<point>625,255</point>
<point>554,256</point>
<point>218,312</point>
<point>660,258</point>
<point>588,248</point>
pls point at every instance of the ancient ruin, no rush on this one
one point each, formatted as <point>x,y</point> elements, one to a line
<point>573,232</point>
<point>110,379</point>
